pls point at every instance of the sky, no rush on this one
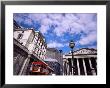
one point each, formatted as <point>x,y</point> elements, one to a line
<point>59,28</point>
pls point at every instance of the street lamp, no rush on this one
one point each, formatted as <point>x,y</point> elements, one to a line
<point>71,45</point>
<point>61,60</point>
<point>60,51</point>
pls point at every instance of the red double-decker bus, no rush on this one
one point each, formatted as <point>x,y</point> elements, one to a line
<point>40,68</point>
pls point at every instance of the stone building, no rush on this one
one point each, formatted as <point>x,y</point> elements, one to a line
<point>83,63</point>
<point>53,63</point>
<point>20,56</point>
<point>34,45</point>
<point>55,54</point>
<point>40,45</point>
<point>22,59</point>
<point>33,40</point>
<point>24,36</point>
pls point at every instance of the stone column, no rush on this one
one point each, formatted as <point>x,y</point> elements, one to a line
<point>68,71</point>
<point>66,68</point>
<point>84,65</point>
<point>71,66</point>
<point>90,63</point>
<point>92,69</point>
<point>78,66</point>
<point>63,68</point>
<point>25,65</point>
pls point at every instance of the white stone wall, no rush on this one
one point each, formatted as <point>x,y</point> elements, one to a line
<point>31,47</point>
<point>82,53</point>
<point>16,33</point>
<point>32,41</point>
<point>25,37</point>
<point>85,51</point>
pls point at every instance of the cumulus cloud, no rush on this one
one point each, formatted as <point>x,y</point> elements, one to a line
<point>28,22</point>
<point>37,17</point>
<point>75,24</point>
<point>71,23</point>
<point>55,16</point>
<point>18,18</point>
<point>54,44</point>
<point>85,18</point>
<point>62,24</point>
<point>94,47</point>
<point>44,29</point>
<point>71,17</point>
<point>89,39</point>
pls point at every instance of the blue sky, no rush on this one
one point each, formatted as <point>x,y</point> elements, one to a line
<point>60,28</point>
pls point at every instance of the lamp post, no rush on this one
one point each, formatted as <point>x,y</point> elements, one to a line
<point>71,45</point>
<point>61,60</point>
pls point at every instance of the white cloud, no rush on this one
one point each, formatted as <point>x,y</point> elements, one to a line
<point>54,44</point>
<point>76,28</point>
<point>64,23</point>
<point>56,17</point>
<point>44,29</point>
<point>64,27</point>
<point>28,22</point>
<point>46,21</point>
<point>75,24</point>
<point>89,39</point>
<point>91,26</point>
<point>71,17</point>
<point>37,17</point>
<point>18,19</point>
<point>43,20</point>
<point>85,18</point>
<point>71,23</point>
<point>59,31</point>
<point>94,47</point>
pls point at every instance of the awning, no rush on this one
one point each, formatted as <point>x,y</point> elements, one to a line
<point>39,62</point>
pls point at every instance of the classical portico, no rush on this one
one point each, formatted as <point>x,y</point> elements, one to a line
<point>83,63</point>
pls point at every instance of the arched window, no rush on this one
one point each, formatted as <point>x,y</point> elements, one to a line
<point>20,36</point>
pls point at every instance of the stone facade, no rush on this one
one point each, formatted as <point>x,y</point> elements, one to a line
<point>55,54</point>
<point>40,46</point>
<point>55,66</point>
<point>83,63</point>
<point>20,55</point>
<point>29,45</point>
<point>24,36</point>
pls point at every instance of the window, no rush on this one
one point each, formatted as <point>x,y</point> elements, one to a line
<point>20,36</point>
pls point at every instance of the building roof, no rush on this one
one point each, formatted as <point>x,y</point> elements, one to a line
<point>50,60</point>
<point>83,51</point>
<point>52,49</point>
